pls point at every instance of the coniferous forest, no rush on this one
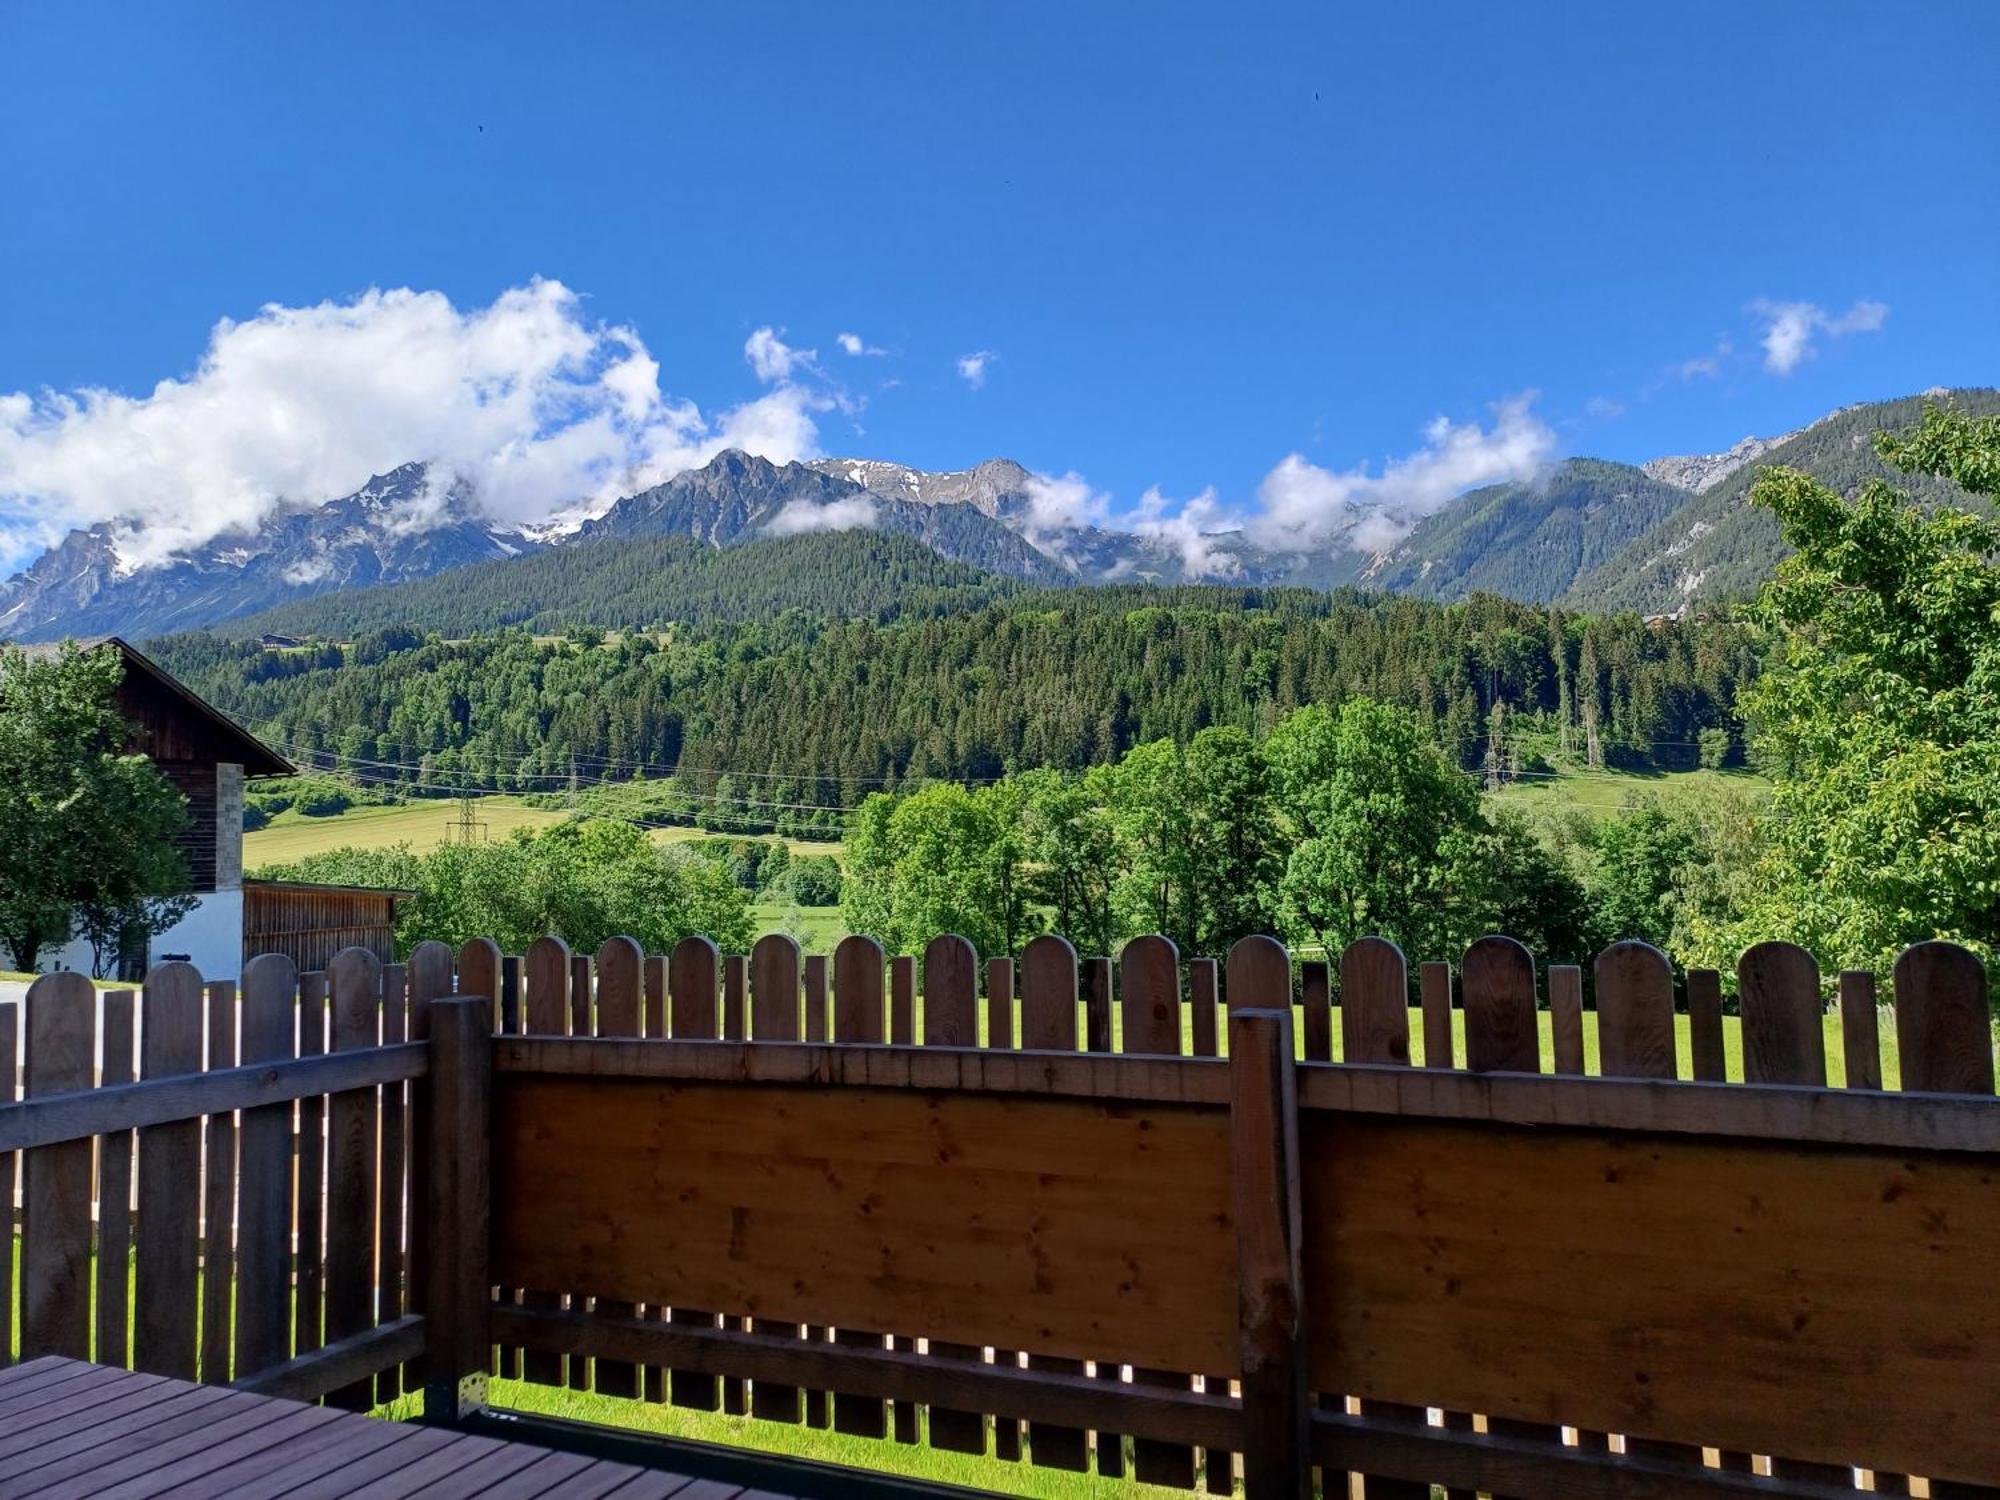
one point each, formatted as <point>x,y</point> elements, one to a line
<point>787,723</point>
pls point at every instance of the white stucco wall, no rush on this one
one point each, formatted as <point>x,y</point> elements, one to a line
<point>211,936</point>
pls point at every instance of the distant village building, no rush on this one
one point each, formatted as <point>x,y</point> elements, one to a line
<point>208,757</point>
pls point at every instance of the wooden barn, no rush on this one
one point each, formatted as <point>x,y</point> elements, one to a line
<point>208,757</point>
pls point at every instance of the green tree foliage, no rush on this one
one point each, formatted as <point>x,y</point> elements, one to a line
<point>88,832</point>
<point>812,880</point>
<point>1880,716</point>
<point>584,881</point>
<point>1384,829</point>
<point>786,723</point>
<point>1335,826</point>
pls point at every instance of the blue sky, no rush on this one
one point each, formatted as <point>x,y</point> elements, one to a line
<point>1194,239</point>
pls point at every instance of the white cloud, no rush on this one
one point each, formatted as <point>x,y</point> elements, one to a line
<point>1305,507</point>
<point>775,360</point>
<point>1604,408</point>
<point>1790,328</point>
<point>972,367</point>
<point>796,517</point>
<point>541,412</point>
<point>1189,529</point>
<point>856,345</point>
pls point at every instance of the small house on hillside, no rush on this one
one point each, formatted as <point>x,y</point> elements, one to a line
<point>208,757</point>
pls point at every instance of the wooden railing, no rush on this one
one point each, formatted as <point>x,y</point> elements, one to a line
<point>846,1192</point>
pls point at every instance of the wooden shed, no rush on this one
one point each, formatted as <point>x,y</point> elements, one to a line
<point>310,923</point>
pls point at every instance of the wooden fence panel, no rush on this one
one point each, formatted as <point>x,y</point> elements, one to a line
<point>1316,1010</point>
<point>114,1193</point>
<point>55,1194</point>
<point>168,1297</point>
<point>1049,998</point>
<point>1566,1019</point>
<point>1434,986</point>
<point>818,1404</point>
<point>621,978</point>
<point>582,1022</point>
<point>902,1000</point>
<point>428,977</point>
<point>1778,985</point>
<point>693,1010</point>
<point>857,1017</point>
<point>1000,1033</point>
<point>218,1218</point>
<point>1099,1035</point>
<point>264,1196</point>
<point>774,1017</point>
<point>355,985</point>
<point>1706,1058</point>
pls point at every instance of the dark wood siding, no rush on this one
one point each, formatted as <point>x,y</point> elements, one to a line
<point>309,924</point>
<point>195,780</point>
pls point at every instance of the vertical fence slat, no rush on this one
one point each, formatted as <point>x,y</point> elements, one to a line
<point>1049,997</point>
<point>264,1215</point>
<point>1860,1030</point>
<point>1375,1028</point>
<point>1204,995</point>
<point>1095,974</point>
<point>1434,985</point>
<point>218,1219</point>
<point>1264,1165</point>
<point>1150,1009</point>
<point>1944,1045</point>
<point>1706,1057</point>
<point>545,969</point>
<point>427,977</point>
<point>694,1011</point>
<point>355,984</point>
<point>166,1305</point>
<point>1783,1042</point>
<point>55,1198</point>
<point>10,1057</point>
<point>1635,1039</point>
<point>582,1022</point>
<point>1316,1010</point>
<point>1635,1012</point>
<point>309,1209</point>
<point>1000,1003</point>
<point>1944,1035</point>
<point>653,1378</point>
<point>1000,1034</point>
<point>114,1195</point>
<point>1498,983</point>
<point>1256,976</point>
<point>902,1000</point>
<point>774,1017</point>
<point>735,1027</point>
<point>1566,1018</point>
<point>858,1017</point>
<point>390,1214</point>
<point>818,1404</point>
<point>1098,1033</point>
<point>621,964</point>
<point>951,1019</point>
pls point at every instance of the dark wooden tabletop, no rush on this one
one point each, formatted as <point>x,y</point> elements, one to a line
<point>69,1430</point>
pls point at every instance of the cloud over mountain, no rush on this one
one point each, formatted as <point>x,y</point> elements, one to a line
<point>536,406</point>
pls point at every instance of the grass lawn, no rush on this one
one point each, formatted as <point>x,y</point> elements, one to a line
<point>424,826</point>
<point>1603,793</point>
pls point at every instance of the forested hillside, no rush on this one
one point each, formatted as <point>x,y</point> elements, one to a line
<point>1530,541</point>
<point>1719,547</point>
<point>790,721</point>
<point>653,580</point>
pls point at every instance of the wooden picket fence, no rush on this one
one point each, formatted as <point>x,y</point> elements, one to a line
<point>1085,1214</point>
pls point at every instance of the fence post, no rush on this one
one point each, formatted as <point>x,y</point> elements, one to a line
<point>1264,1158</point>
<point>457,1207</point>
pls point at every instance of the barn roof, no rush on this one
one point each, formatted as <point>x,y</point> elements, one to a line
<point>256,758</point>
